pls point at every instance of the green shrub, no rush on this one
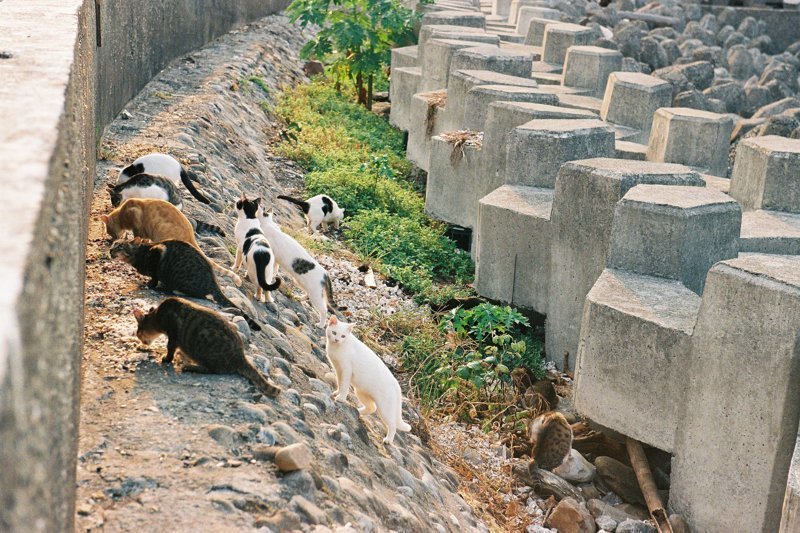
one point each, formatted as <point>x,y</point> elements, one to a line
<point>357,190</point>
<point>407,249</point>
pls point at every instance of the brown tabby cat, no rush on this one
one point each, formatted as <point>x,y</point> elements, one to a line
<point>202,336</point>
<point>178,266</point>
<point>156,220</point>
<point>551,439</point>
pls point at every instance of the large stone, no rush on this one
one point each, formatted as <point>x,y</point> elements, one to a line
<point>750,308</point>
<point>586,194</point>
<point>620,479</point>
<point>731,93</point>
<point>537,149</point>
<point>481,96</point>
<point>691,137</point>
<point>459,84</point>
<point>494,59</point>
<point>589,67</point>
<point>765,174</point>
<point>575,468</point>
<point>559,37</point>
<point>631,99</point>
<point>513,246</point>
<point>402,88</point>
<point>570,516</point>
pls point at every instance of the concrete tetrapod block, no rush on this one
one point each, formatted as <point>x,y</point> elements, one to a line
<point>472,19</point>
<point>536,30</point>
<point>635,340</point>
<point>436,61</point>
<point>559,37</point>
<point>537,149</point>
<point>765,174</point>
<point>629,150</point>
<point>503,117</point>
<point>459,84</point>
<point>691,137</point>
<point>402,88</point>
<point>449,176</point>
<point>513,246</point>
<point>501,8</point>
<point>454,33</point>
<point>526,13</point>
<point>770,232</point>
<point>405,57</point>
<point>586,194</point>
<point>674,232</point>
<point>494,59</point>
<point>631,99</point>
<point>738,431</point>
<point>589,67</point>
<point>442,31</point>
<point>425,111</point>
<point>481,96</point>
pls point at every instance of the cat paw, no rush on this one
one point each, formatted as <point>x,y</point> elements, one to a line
<point>341,398</point>
<point>237,280</point>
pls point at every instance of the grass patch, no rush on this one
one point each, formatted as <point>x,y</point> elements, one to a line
<point>461,362</point>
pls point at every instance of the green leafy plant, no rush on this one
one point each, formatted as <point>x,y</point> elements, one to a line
<point>355,37</point>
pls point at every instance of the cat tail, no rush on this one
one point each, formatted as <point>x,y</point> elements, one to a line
<point>223,300</point>
<point>225,272</point>
<point>206,227</point>
<point>186,176</point>
<point>302,203</point>
<point>258,257</point>
<point>257,379</point>
<point>329,294</point>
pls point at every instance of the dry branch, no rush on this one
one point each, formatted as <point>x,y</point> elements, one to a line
<point>435,101</point>
<point>648,485</point>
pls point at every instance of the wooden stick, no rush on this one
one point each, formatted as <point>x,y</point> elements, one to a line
<point>648,485</point>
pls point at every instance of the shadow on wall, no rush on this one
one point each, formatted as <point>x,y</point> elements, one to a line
<point>68,69</point>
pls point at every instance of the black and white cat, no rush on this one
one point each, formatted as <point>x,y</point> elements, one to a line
<point>162,165</point>
<point>303,268</point>
<point>252,248</point>
<point>146,186</point>
<point>319,209</point>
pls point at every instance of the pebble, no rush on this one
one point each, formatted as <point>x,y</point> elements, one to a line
<point>293,457</point>
<point>635,526</point>
<point>250,412</point>
<point>571,516</point>
<point>575,468</point>
<point>606,523</point>
<point>224,435</point>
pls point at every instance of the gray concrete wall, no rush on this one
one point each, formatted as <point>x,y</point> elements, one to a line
<point>59,88</point>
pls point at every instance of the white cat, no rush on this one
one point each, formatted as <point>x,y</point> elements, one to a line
<point>375,386</point>
<point>303,268</point>
<point>319,209</point>
<point>162,165</point>
<point>252,248</point>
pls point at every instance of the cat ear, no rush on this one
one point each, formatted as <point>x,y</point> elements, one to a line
<point>333,321</point>
<point>349,328</point>
<point>243,198</point>
<point>104,218</point>
<point>257,201</point>
<point>138,313</point>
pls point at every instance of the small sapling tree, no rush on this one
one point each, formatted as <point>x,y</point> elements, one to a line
<point>355,37</point>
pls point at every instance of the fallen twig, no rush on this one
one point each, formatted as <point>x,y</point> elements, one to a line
<point>648,485</point>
